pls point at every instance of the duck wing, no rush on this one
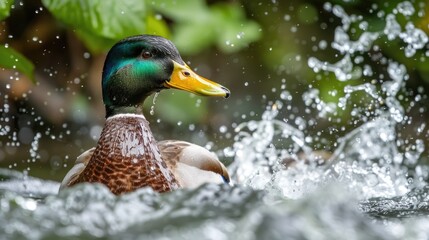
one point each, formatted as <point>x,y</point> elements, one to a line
<point>192,165</point>
<point>79,166</point>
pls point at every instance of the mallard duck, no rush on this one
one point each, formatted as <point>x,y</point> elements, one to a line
<point>127,157</point>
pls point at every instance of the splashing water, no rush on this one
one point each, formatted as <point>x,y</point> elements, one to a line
<point>152,107</point>
<point>284,188</point>
<point>369,159</point>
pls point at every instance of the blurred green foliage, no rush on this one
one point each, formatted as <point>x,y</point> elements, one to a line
<point>14,60</point>
<point>101,23</point>
<point>5,6</point>
<point>10,58</point>
<point>223,24</point>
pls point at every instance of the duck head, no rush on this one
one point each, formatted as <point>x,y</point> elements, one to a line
<point>138,66</point>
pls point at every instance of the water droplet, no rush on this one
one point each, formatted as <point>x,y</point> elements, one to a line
<point>240,35</point>
<point>406,8</point>
<point>86,55</point>
<point>285,95</point>
<point>287,17</point>
<point>152,108</point>
<point>223,129</point>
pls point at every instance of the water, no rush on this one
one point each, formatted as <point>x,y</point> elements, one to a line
<point>368,184</point>
<point>209,212</point>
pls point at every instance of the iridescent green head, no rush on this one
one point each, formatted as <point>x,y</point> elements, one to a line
<point>141,65</point>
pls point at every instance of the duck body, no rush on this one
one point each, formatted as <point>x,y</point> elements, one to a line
<point>127,156</point>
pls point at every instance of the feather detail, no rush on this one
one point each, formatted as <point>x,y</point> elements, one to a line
<point>191,164</point>
<point>126,158</point>
<point>79,166</point>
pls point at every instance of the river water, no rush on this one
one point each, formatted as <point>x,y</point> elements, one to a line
<point>370,185</point>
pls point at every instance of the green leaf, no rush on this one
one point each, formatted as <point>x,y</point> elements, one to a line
<point>95,43</point>
<point>192,29</point>
<point>12,59</point>
<point>5,6</point>
<point>100,23</point>
<point>183,10</point>
<point>234,31</point>
<point>192,37</point>
<point>157,26</point>
<point>101,19</point>
<point>238,36</point>
<point>223,24</point>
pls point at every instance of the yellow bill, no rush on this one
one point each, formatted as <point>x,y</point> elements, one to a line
<point>185,79</point>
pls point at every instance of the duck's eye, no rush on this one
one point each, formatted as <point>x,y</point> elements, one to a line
<point>146,54</point>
